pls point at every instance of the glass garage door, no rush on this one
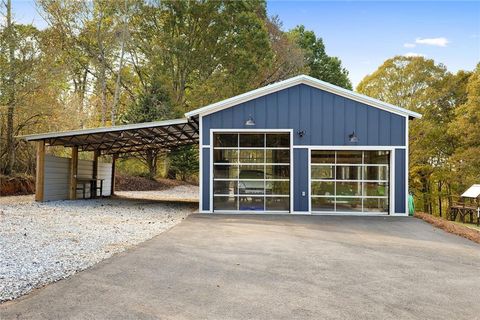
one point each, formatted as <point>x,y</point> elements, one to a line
<point>251,172</point>
<point>350,181</point>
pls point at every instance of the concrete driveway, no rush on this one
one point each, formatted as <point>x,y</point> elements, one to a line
<point>274,267</point>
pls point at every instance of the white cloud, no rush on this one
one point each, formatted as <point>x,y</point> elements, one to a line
<point>439,42</point>
<point>409,45</point>
<point>414,54</point>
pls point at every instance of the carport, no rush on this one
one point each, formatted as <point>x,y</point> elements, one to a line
<point>64,174</point>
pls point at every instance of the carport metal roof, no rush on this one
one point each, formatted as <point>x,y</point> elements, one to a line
<point>126,138</point>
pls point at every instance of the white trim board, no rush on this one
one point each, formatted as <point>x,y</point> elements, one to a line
<point>307,80</point>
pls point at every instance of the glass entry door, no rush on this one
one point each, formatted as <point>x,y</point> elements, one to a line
<point>251,172</point>
<point>350,181</point>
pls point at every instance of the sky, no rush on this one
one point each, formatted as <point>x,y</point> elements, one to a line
<point>364,34</point>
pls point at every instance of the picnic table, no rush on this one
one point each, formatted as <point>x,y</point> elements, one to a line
<point>463,210</point>
<point>94,187</point>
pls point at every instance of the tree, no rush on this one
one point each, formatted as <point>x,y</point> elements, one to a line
<point>321,65</point>
<point>152,105</point>
<point>184,161</point>
<point>419,84</point>
<point>465,130</point>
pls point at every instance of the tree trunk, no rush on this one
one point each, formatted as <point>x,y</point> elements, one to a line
<point>122,53</point>
<point>10,148</point>
<point>151,159</point>
<point>440,198</point>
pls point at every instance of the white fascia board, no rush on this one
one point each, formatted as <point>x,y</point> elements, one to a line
<point>134,126</point>
<point>302,79</point>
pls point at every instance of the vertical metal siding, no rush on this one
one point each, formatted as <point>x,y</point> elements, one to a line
<point>400,195</point>
<point>57,175</point>
<point>300,179</point>
<point>206,179</point>
<point>326,118</point>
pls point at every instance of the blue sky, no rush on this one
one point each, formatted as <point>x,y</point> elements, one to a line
<point>364,34</point>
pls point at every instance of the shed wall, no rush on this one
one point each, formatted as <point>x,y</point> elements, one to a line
<point>57,174</point>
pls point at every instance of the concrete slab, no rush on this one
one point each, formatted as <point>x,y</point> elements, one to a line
<point>274,267</point>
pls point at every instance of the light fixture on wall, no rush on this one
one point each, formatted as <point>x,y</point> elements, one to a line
<point>352,137</point>
<point>301,133</point>
<point>250,122</point>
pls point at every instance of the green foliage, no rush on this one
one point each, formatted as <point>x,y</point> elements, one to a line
<point>184,162</point>
<point>421,85</point>
<point>321,65</point>
<point>152,105</point>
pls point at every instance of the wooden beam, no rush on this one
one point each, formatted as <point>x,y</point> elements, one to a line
<point>40,172</point>
<point>112,184</point>
<point>73,174</point>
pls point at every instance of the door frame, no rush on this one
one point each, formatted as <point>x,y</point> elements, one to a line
<point>253,130</point>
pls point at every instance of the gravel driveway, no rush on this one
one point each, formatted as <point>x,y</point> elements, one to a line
<point>44,242</point>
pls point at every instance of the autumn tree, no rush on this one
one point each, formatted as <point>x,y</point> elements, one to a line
<point>418,84</point>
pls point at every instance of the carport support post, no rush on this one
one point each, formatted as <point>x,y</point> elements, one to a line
<point>96,154</point>
<point>40,172</point>
<point>73,174</point>
<point>112,185</point>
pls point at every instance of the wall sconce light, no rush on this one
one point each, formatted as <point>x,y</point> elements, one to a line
<point>301,133</point>
<point>250,122</point>
<point>353,137</point>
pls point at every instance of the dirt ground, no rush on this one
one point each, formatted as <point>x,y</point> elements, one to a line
<point>449,226</point>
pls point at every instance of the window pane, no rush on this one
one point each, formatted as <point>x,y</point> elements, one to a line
<point>277,203</point>
<point>375,189</point>
<point>277,172</point>
<point>349,204</point>
<point>377,157</point>
<point>323,172</point>
<point>277,156</point>
<point>349,188</point>
<point>376,173</point>
<point>351,157</point>
<point>252,187</point>
<point>375,205</point>
<point>225,140</point>
<point>323,204</point>
<point>252,140</point>
<point>252,203</point>
<point>225,187</point>
<point>225,203</point>
<point>252,172</point>
<point>252,156</point>
<point>278,140</point>
<point>349,173</point>
<point>323,156</point>
<point>225,171</point>
<point>225,156</point>
<point>278,187</point>
<point>321,188</point>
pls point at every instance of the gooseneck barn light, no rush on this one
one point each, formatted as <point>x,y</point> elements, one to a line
<point>352,137</point>
<point>250,122</point>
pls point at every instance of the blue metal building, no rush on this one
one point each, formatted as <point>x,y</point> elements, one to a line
<point>303,146</point>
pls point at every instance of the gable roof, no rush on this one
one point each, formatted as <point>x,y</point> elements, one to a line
<point>301,79</point>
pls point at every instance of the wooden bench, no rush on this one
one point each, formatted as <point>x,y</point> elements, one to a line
<point>94,187</point>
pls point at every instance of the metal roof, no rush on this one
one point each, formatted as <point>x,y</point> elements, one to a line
<point>301,79</point>
<point>472,192</point>
<point>126,138</point>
